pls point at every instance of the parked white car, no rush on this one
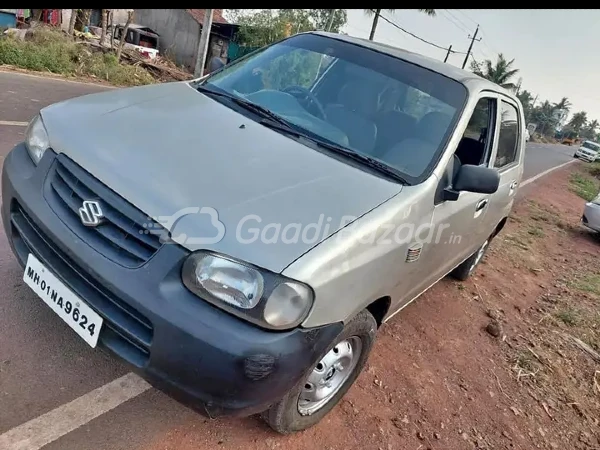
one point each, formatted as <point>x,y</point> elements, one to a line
<point>588,151</point>
<point>527,135</point>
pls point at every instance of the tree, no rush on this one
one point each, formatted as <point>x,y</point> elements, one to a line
<point>72,20</point>
<point>376,12</point>
<point>320,18</point>
<point>563,104</point>
<point>578,121</point>
<point>124,33</point>
<point>500,73</point>
<point>526,99</point>
<point>544,116</point>
<point>590,130</point>
<point>104,13</point>
<point>258,28</point>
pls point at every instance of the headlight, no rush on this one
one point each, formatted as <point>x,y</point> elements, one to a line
<point>36,139</point>
<point>264,298</point>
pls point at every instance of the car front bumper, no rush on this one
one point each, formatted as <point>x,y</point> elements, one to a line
<point>208,359</point>
<point>591,216</point>
<point>585,156</point>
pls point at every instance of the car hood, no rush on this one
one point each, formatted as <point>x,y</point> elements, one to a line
<point>211,176</point>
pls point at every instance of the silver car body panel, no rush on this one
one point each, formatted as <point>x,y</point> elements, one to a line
<point>591,211</point>
<point>165,148</point>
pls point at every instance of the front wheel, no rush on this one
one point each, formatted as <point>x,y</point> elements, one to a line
<point>327,382</point>
<point>466,269</point>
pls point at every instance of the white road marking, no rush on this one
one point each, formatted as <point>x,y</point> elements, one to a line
<point>13,123</point>
<point>42,430</point>
<point>53,425</point>
<point>545,172</point>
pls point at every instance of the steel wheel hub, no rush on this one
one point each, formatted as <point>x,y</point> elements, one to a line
<point>328,376</point>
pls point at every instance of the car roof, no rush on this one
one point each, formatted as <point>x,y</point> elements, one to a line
<point>469,79</point>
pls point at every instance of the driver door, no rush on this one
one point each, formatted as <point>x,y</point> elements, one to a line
<point>462,225</point>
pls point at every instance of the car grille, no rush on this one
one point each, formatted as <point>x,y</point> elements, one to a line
<point>125,330</point>
<point>122,236</point>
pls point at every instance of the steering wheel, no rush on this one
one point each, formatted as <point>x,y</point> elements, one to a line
<point>302,93</point>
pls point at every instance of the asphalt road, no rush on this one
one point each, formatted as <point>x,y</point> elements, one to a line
<point>44,365</point>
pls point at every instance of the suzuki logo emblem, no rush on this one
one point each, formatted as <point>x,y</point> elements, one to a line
<point>90,213</point>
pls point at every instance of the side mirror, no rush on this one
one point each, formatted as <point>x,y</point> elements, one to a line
<point>470,178</point>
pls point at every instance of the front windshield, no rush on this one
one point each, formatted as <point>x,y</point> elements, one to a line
<point>591,146</point>
<point>368,102</point>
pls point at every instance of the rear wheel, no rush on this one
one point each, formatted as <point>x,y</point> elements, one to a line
<point>466,269</point>
<point>327,382</point>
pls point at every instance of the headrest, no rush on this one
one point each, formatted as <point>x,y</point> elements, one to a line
<point>359,97</point>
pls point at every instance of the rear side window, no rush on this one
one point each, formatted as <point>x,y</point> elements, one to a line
<point>509,135</point>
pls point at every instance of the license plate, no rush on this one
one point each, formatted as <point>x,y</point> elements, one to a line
<point>79,316</point>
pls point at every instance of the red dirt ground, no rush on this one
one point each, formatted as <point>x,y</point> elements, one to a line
<point>437,380</point>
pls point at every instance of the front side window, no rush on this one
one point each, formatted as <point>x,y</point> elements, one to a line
<point>475,146</point>
<point>364,101</point>
<point>508,139</point>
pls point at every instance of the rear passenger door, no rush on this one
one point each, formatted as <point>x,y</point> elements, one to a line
<point>507,159</point>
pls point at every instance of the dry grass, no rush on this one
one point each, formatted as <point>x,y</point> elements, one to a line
<point>50,50</point>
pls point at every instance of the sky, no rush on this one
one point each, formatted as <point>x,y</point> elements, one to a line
<point>553,49</point>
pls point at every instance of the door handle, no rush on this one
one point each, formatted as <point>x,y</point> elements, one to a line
<point>513,185</point>
<point>481,204</point>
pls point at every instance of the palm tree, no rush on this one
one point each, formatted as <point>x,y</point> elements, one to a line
<point>526,100</point>
<point>375,13</point>
<point>500,73</point>
<point>578,121</point>
<point>563,104</point>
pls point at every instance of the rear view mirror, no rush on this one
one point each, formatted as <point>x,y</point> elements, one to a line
<point>471,178</point>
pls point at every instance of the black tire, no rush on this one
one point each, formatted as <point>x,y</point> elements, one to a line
<point>284,416</point>
<point>575,155</point>
<point>466,269</point>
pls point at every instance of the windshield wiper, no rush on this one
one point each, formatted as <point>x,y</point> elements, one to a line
<point>272,120</point>
<point>257,109</point>
<point>363,159</point>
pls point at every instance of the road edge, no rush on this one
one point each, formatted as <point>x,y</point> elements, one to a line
<point>52,76</point>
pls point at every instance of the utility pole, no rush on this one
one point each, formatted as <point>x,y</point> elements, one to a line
<point>330,22</point>
<point>518,87</point>
<point>534,100</point>
<point>203,47</point>
<point>471,46</point>
<point>448,53</point>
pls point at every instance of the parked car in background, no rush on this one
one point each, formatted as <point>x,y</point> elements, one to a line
<point>591,214</point>
<point>588,151</point>
<point>410,165</point>
<point>527,135</point>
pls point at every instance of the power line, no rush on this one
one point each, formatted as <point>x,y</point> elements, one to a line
<point>465,15</point>
<point>415,36</point>
<point>462,26</point>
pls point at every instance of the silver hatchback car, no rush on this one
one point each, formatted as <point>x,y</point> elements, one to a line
<point>239,239</point>
<point>591,214</point>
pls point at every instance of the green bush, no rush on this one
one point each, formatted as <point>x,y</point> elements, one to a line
<point>49,50</point>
